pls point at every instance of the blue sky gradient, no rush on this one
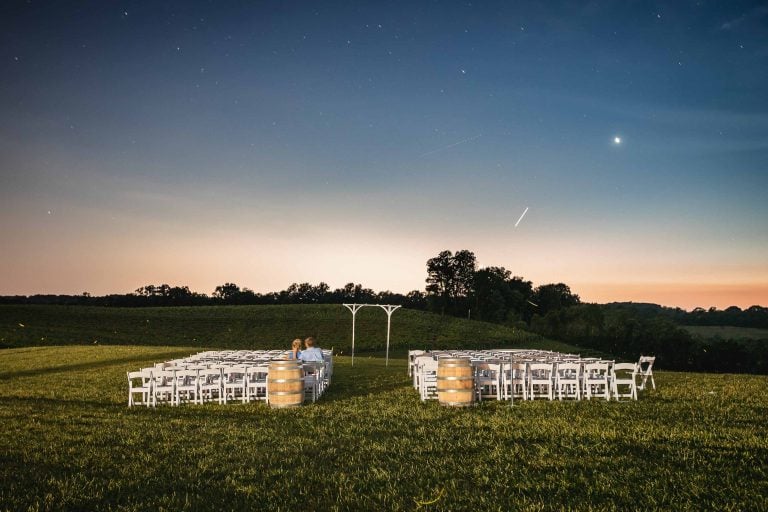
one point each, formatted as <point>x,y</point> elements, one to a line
<point>266,143</point>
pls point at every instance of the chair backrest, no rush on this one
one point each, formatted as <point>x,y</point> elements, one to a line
<point>624,370</point>
<point>542,370</point>
<point>428,365</point>
<point>186,377</point>
<point>313,367</point>
<point>210,374</point>
<point>140,378</point>
<point>519,370</point>
<point>646,360</point>
<point>596,370</point>
<point>485,367</point>
<point>234,374</point>
<point>257,373</point>
<point>568,370</point>
<point>421,360</point>
<point>163,377</point>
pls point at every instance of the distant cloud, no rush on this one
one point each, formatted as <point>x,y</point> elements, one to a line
<point>754,14</point>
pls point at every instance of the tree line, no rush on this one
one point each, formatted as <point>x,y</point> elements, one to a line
<point>228,294</point>
<point>456,286</point>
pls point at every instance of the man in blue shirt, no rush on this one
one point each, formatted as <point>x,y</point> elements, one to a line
<point>311,353</point>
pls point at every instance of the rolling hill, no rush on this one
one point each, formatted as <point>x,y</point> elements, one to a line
<point>251,327</point>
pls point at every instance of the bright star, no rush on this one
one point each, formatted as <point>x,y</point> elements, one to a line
<point>617,140</point>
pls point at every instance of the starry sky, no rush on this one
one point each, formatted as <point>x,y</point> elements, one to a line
<point>265,143</point>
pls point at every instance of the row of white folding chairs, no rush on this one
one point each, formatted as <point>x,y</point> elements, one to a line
<point>232,355</point>
<point>151,386</point>
<point>645,362</point>
<point>568,380</point>
<point>243,357</point>
<point>565,379</point>
<point>248,357</point>
<point>155,386</point>
<point>485,378</point>
<point>489,355</point>
<point>530,379</point>
<point>511,355</point>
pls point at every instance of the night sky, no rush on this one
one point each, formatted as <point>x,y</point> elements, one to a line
<point>265,143</point>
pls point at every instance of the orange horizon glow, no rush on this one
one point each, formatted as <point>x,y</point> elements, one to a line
<point>81,250</point>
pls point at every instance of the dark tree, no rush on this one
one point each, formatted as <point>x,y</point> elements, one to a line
<point>450,281</point>
<point>226,291</point>
<point>491,295</point>
<point>551,297</point>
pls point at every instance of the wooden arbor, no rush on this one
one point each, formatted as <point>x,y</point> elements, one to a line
<point>354,308</point>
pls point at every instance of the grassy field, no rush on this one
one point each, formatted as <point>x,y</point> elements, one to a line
<point>70,443</point>
<point>247,327</point>
<point>726,332</point>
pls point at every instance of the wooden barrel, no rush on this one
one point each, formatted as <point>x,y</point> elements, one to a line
<point>455,382</point>
<point>285,384</point>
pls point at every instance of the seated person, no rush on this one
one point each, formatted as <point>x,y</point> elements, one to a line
<point>311,352</point>
<point>295,349</point>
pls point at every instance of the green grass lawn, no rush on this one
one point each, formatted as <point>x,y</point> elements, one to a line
<point>727,332</point>
<point>70,443</point>
<point>248,327</point>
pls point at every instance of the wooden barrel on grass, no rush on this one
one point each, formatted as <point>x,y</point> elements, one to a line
<point>455,382</point>
<point>285,384</point>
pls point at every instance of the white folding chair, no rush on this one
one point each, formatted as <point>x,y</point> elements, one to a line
<point>514,383</point>
<point>596,380</point>
<point>187,388</point>
<point>311,380</point>
<point>418,362</point>
<point>624,381</point>
<point>427,370</point>
<point>540,383</point>
<point>645,369</point>
<point>140,383</point>
<point>487,377</point>
<point>568,380</point>
<point>412,355</point>
<point>328,370</point>
<point>163,386</point>
<point>256,383</point>
<point>211,385</point>
<point>234,383</point>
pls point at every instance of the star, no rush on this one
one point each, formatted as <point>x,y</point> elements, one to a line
<point>617,140</point>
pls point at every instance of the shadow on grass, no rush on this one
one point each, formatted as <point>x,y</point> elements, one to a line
<point>48,370</point>
<point>42,402</point>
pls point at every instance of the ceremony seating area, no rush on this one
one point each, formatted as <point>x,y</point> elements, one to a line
<point>509,374</point>
<point>221,377</point>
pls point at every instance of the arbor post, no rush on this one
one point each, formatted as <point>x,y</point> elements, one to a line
<point>389,309</point>
<point>353,308</point>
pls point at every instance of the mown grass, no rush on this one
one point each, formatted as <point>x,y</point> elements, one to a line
<point>248,327</point>
<point>69,442</point>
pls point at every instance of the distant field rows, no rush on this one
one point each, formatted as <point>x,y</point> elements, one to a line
<point>727,332</point>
